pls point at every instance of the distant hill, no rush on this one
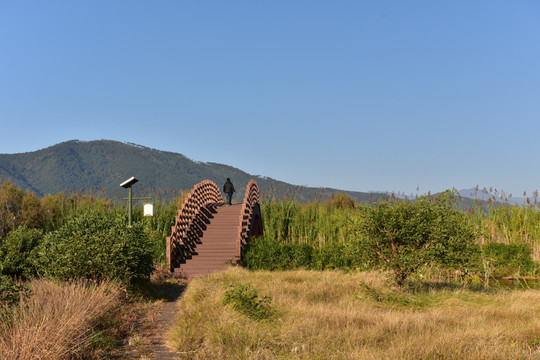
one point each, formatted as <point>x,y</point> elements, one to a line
<point>100,166</point>
<point>494,196</point>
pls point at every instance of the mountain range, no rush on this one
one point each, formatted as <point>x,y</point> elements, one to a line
<point>495,195</point>
<point>100,166</point>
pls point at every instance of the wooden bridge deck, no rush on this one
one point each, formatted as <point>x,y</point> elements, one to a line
<point>216,248</point>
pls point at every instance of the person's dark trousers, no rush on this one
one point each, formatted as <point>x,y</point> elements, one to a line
<point>228,197</point>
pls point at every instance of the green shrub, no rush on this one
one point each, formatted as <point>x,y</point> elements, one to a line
<point>297,255</point>
<point>246,300</point>
<point>10,293</point>
<point>334,256</point>
<point>259,254</point>
<point>18,252</point>
<point>18,207</point>
<point>405,236</point>
<point>264,253</point>
<point>97,245</point>
<point>509,259</point>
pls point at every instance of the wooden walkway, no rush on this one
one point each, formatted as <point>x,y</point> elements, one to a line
<point>207,236</point>
<point>215,249</point>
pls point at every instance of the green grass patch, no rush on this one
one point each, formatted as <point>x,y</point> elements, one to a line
<point>246,300</point>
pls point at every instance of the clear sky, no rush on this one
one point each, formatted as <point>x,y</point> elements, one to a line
<point>356,95</point>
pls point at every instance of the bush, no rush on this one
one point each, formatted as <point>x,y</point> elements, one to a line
<point>10,293</point>
<point>333,256</point>
<point>18,252</point>
<point>509,259</point>
<point>297,255</point>
<point>404,236</point>
<point>263,253</point>
<point>18,207</point>
<point>340,201</point>
<point>97,245</point>
<point>246,300</point>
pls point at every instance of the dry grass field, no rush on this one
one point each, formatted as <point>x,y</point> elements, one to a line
<point>333,315</point>
<point>59,320</point>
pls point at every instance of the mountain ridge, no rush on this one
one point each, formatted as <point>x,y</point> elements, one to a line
<point>99,166</point>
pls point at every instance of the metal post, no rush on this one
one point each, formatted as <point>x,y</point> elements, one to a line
<point>129,205</point>
<point>127,185</point>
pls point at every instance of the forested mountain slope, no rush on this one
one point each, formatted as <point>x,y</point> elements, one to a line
<point>100,166</point>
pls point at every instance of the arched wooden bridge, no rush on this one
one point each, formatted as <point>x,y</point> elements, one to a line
<point>208,235</point>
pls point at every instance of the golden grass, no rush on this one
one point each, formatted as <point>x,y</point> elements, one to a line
<point>57,320</point>
<point>331,315</point>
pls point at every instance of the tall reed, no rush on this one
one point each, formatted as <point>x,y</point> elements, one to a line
<point>326,224</point>
<point>57,321</point>
<point>508,224</point>
<point>316,223</point>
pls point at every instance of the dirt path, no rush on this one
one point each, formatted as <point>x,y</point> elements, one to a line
<point>149,340</point>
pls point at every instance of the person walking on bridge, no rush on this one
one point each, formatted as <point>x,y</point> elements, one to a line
<point>228,189</point>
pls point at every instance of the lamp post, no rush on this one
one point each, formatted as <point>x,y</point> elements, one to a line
<point>127,185</point>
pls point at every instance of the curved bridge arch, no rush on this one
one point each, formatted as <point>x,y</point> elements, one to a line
<point>250,207</point>
<point>187,223</point>
<point>205,226</point>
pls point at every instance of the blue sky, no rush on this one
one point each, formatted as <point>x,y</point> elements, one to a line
<point>357,95</point>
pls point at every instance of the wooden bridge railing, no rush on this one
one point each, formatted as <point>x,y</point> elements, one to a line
<point>186,225</point>
<point>250,207</point>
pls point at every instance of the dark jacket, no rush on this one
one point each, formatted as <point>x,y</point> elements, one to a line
<point>228,188</point>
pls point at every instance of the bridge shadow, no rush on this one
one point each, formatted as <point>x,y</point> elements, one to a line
<point>188,248</point>
<point>167,291</point>
<point>162,285</point>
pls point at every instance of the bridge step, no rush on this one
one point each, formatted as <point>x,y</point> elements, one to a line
<point>217,247</point>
